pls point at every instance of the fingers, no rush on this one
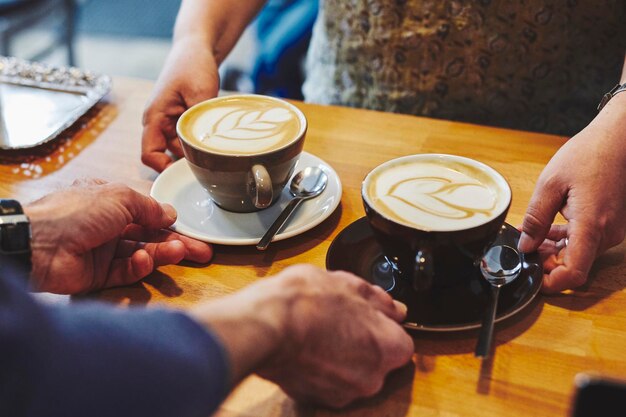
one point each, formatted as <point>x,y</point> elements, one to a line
<point>397,344</point>
<point>555,242</point>
<point>583,246</point>
<point>359,318</point>
<point>557,232</point>
<point>141,264</point>
<point>175,147</point>
<point>195,250</point>
<point>176,91</point>
<point>568,259</point>
<point>126,271</point>
<point>545,203</point>
<point>157,160</point>
<point>162,253</point>
<point>146,211</point>
<point>376,296</point>
<point>136,260</point>
<point>399,347</point>
<point>153,147</point>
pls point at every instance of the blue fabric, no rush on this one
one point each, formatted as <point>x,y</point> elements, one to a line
<point>88,359</point>
<point>283,29</point>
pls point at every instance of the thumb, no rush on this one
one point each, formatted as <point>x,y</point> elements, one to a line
<point>545,203</point>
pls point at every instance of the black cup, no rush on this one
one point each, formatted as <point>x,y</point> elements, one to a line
<point>431,257</point>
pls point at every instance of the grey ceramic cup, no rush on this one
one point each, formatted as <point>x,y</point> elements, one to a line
<point>426,257</point>
<point>242,182</point>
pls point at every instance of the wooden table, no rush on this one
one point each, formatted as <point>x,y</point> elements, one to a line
<point>539,351</point>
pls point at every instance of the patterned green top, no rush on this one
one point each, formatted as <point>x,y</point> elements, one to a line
<point>525,64</point>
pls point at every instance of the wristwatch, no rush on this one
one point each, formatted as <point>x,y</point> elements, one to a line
<point>608,96</point>
<point>15,236</point>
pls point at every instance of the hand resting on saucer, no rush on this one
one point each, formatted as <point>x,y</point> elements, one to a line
<point>584,181</point>
<point>96,235</point>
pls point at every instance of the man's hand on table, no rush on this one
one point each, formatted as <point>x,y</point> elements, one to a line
<point>586,182</point>
<point>323,337</point>
<point>189,76</point>
<point>97,235</point>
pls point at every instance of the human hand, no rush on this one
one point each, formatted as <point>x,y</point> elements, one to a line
<point>585,182</point>
<point>323,337</point>
<point>189,76</point>
<point>97,235</point>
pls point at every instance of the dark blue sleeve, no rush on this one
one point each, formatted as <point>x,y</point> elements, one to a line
<point>95,360</point>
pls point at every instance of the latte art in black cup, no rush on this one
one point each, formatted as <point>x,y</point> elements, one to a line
<point>242,125</point>
<point>435,215</point>
<point>436,194</point>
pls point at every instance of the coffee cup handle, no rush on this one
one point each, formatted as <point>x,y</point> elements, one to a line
<point>423,271</point>
<point>263,187</point>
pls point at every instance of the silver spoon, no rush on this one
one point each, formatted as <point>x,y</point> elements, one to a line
<point>500,266</point>
<point>308,183</point>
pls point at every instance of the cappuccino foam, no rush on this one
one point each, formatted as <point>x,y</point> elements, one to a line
<point>437,194</point>
<point>241,125</point>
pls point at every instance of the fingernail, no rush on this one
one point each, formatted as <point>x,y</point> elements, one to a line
<point>401,306</point>
<point>169,210</point>
<point>525,244</point>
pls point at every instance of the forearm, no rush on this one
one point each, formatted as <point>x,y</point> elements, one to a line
<point>249,324</point>
<point>609,125</point>
<point>218,23</point>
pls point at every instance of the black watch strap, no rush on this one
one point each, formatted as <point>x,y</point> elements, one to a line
<point>15,235</point>
<point>608,96</point>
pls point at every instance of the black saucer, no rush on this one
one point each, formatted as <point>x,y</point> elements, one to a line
<point>459,307</point>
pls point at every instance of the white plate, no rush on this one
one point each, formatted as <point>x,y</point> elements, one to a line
<point>200,218</point>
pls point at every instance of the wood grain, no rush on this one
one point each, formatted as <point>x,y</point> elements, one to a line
<point>539,351</point>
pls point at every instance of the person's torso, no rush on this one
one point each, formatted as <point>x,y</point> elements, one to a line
<point>532,65</point>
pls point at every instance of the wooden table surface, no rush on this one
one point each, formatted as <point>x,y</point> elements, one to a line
<point>538,351</point>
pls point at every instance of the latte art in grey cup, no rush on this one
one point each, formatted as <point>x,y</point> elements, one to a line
<point>242,125</point>
<point>439,194</point>
<point>242,148</point>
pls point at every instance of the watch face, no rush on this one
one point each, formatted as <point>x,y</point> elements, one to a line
<point>15,238</point>
<point>14,228</point>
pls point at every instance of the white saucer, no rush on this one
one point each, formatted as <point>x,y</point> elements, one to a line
<point>200,218</point>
